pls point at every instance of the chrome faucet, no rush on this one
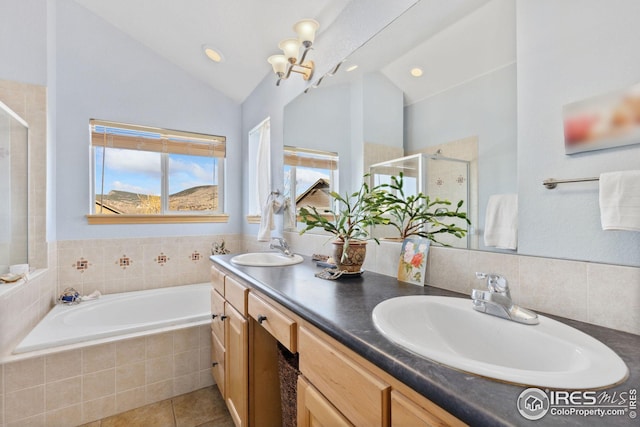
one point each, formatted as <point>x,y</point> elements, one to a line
<point>496,300</point>
<point>281,245</point>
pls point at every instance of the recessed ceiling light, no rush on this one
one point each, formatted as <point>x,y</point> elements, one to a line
<point>212,54</point>
<point>351,68</point>
<point>416,72</point>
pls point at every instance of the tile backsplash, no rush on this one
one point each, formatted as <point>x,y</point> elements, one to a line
<point>601,294</point>
<point>123,265</point>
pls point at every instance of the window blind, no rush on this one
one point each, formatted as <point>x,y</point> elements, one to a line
<point>294,156</point>
<point>134,137</point>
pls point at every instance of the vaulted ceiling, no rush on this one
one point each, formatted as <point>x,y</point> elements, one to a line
<point>246,32</point>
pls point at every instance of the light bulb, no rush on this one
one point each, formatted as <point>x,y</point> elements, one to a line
<point>279,64</point>
<point>290,47</point>
<point>306,30</point>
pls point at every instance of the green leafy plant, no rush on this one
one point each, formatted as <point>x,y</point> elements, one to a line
<point>351,218</point>
<point>418,215</point>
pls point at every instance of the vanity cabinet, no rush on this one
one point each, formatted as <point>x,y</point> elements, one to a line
<point>336,386</point>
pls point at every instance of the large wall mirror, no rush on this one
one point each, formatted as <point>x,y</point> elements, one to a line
<point>439,80</point>
<point>14,188</point>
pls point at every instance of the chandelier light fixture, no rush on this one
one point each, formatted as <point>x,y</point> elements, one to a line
<point>288,62</point>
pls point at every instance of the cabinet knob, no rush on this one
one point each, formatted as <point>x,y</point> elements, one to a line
<point>213,316</point>
<point>261,318</point>
<point>223,317</point>
<point>214,364</point>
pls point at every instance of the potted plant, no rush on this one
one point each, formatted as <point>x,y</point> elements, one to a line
<point>418,215</point>
<point>349,221</point>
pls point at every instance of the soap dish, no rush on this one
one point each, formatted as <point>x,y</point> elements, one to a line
<point>11,277</point>
<point>334,274</point>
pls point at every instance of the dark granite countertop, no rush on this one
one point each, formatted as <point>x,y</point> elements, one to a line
<point>342,309</point>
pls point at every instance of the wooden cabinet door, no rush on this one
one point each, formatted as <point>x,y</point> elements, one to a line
<point>217,363</point>
<point>316,411</point>
<point>357,393</point>
<point>423,413</point>
<point>237,365</point>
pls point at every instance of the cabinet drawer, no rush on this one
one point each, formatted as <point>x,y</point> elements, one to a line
<point>281,326</point>
<point>217,280</point>
<point>217,311</point>
<point>217,362</point>
<point>236,294</point>
<point>362,397</point>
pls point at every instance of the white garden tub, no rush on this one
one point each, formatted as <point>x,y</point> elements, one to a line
<point>121,315</point>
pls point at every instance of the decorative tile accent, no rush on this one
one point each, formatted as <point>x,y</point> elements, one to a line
<point>161,259</point>
<point>195,256</point>
<point>124,262</point>
<point>460,179</point>
<point>81,265</point>
<point>439,181</point>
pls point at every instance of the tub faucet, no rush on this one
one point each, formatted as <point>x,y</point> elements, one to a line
<point>280,244</point>
<point>496,300</point>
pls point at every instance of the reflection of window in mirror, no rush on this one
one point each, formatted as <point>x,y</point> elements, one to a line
<point>309,177</point>
<point>141,171</point>
<point>259,141</point>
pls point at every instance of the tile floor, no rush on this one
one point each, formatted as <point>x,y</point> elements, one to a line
<point>201,408</point>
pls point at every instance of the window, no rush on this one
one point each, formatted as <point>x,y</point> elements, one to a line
<point>310,176</point>
<point>141,174</point>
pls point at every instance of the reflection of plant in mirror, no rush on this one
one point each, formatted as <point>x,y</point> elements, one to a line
<point>219,248</point>
<point>352,216</point>
<point>418,215</point>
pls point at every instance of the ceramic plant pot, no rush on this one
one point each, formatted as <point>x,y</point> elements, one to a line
<point>356,252</point>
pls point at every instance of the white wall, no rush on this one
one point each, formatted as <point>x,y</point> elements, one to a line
<point>382,110</point>
<point>23,41</point>
<point>103,73</point>
<point>568,51</point>
<point>306,124</point>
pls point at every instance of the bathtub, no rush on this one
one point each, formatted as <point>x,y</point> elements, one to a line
<point>123,315</point>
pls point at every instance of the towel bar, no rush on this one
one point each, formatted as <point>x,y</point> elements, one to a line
<point>552,183</point>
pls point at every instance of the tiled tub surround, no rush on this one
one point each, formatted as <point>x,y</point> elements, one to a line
<point>22,308</point>
<point>123,265</point>
<point>77,386</point>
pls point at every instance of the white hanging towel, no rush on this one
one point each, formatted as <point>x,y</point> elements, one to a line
<point>501,221</point>
<point>620,200</point>
<point>266,219</point>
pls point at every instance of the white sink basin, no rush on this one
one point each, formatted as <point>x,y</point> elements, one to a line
<point>266,259</point>
<point>447,330</point>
